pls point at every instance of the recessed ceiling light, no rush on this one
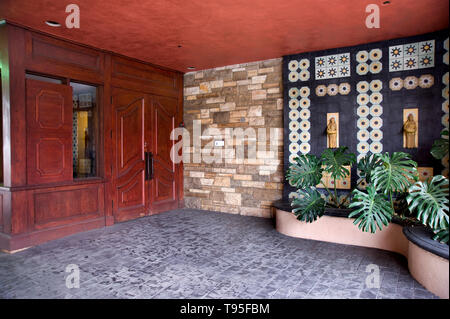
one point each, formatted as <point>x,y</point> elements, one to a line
<point>52,23</point>
<point>191,68</point>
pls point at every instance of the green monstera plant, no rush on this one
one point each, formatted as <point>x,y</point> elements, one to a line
<point>306,175</point>
<point>429,202</point>
<point>395,177</point>
<point>440,146</point>
<point>392,190</point>
<point>387,177</point>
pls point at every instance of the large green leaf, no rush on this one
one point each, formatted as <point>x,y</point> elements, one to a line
<point>440,146</point>
<point>307,172</point>
<point>335,161</point>
<point>429,201</point>
<point>394,173</point>
<point>371,209</point>
<point>309,206</point>
<point>367,164</point>
<point>441,235</point>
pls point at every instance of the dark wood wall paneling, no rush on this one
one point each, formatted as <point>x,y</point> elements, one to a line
<point>34,210</point>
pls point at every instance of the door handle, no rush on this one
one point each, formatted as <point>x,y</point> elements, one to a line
<point>150,158</point>
<point>148,166</point>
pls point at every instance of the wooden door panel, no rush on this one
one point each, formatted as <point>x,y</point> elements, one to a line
<point>129,130</point>
<point>164,111</point>
<point>49,132</point>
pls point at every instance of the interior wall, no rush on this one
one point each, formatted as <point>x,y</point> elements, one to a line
<point>370,86</point>
<point>235,97</point>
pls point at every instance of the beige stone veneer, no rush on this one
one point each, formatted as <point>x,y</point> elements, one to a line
<point>428,269</point>
<point>244,96</point>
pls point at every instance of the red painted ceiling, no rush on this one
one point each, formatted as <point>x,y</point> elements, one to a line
<point>217,33</point>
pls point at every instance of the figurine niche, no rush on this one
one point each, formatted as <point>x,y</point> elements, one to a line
<point>332,133</point>
<point>410,131</point>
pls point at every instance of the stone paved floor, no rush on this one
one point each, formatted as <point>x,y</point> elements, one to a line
<point>200,254</point>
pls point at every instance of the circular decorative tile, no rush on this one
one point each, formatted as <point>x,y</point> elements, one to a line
<point>376,67</point>
<point>294,126</point>
<point>446,44</point>
<point>362,185</point>
<point>304,64</point>
<point>376,147</point>
<point>376,122</point>
<point>321,90</point>
<point>294,115</point>
<point>376,98</point>
<point>362,99</point>
<point>362,123</point>
<point>293,195</point>
<point>292,158</point>
<point>304,75</point>
<point>305,137</point>
<point>376,135</point>
<point>332,89</point>
<point>305,125</point>
<point>362,69</point>
<point>445,92</point>
<point>444,120</point>
<point>294,148</point>
<point>426,81</point>
<point>445,58</point>
<point>376,110</point>
<point>396,84</point>
<point>344,88</point>
<point>293,76</point>
<point>294,137</point>
<point>445,106</point>
<point>305,103</point>
<point>305,148</point>
<point>293,93</point>
<point>304,91</point>
<point>410,82</point>
<point>293,65</point>
<point>445,78</point>
<point>362,87</point>
<point>376,86</point>
<point>362,56</point>
<point>362,111</point>
<point>375,54</point>
<point>293,104</point>
<point>363,147</point>
<point>305,114</point>
<point>363,135</point>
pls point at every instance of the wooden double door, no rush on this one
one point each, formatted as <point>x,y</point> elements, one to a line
<point>144,175</point>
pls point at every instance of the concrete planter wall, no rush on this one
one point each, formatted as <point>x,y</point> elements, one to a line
<point>428,268</point>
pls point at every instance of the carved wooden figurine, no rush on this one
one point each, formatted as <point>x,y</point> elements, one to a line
<point>410,131</point>
<point>332,133</point>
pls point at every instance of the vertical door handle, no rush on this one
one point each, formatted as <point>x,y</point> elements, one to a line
<point>146,169</point>
<point>150,158</point>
